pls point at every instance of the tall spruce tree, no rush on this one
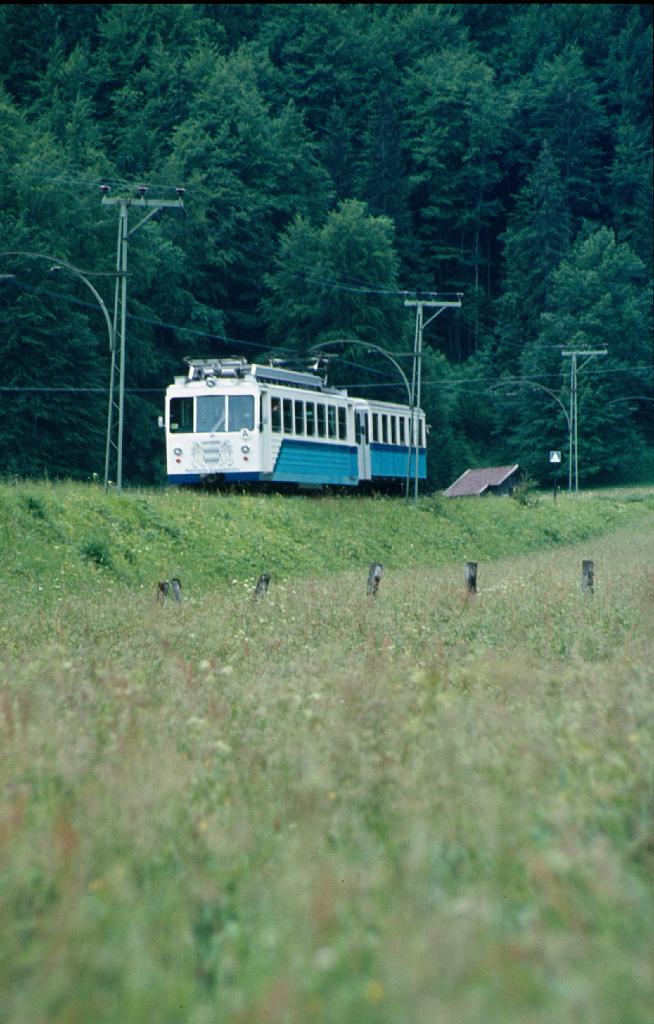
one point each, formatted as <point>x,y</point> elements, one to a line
<point>267,112</point>
<point>248,172</point>
<point>630,182</point>
<point>455,129</point>
<point>382,167</point>
<point>561,104</point>
<point>601,297</point>
<point>536,239</point>
<point>337,151</point>
<point>331,281</point>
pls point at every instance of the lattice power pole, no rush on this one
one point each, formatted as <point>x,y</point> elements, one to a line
<point>440,305</point>
<point>573,460</point>
<point>116,413</point>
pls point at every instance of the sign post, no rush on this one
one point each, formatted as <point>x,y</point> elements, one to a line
<point>555,460</point>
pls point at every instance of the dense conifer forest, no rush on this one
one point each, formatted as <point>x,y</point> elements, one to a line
<point>335,159</point>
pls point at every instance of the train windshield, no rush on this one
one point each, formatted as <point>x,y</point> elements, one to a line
<point>210,414</point>
<point>216,414</point>
<point>241,412</point>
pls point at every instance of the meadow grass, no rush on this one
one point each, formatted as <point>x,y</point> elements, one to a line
<point>58,534</point>
<point>421,808</point>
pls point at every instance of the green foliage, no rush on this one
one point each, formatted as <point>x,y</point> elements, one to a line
<point>600,297</point>
<point>525,492</point>
<point>457,118</point>
<point>319,287</point>
<point>96,550</point>
<point>536,240</point>
<point>631,188</point>
<point>334,157</point>
<point>66,530</point>
<point>563,106</point>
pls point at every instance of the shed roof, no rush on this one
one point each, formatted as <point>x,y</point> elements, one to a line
<point>478,481</point>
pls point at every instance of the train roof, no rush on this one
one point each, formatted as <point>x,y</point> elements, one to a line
<point>239,369</point>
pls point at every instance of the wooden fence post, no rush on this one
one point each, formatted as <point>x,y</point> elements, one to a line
<point>263,583</point>
<point>471,577</point>
<point>374,578</point>
<point>164,588</point>
<point>587,576</point>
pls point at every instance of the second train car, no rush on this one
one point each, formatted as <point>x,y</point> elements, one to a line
<point>229,421</point>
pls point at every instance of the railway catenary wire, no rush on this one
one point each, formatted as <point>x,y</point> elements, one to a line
<point>240,342</point>
<point>351,284</point>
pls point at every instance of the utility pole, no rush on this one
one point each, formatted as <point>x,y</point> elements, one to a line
<point>116,413</point>
<point>573,458</point>
<point>440,305</point>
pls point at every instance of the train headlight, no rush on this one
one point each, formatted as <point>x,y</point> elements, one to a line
<point>245,448</point>
<point>177,451</point>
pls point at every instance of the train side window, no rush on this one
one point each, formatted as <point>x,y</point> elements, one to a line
<point>210,414</point>
<point>276,414</point>
<point>322,420</point>
<point>181,415</point>
<point>375,426</point>
<point>331,420</point>
<point>299,417</point>
<point>311,419</point>
<point>342,423</point>
<point>422,433</point>
<point>288,416</point>
<point>402,441</point>
<point>384,420</point>
<point>393,430</point>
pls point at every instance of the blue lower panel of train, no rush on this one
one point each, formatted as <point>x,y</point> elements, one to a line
<point>391,461</point>
<point>312,463</point>
<point>306,462</point>
<point>198,478</point>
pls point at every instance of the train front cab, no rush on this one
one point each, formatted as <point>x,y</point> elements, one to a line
<point>212,433</point>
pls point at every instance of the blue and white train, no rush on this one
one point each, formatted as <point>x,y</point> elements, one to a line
<point>231,422</point>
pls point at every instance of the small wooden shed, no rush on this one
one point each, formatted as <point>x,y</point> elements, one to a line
<point>474,483</point>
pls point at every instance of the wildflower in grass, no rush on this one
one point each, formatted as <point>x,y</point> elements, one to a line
<point>374,992</point>
<point>325,958</point>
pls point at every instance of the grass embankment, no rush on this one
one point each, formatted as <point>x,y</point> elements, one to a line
<point>322,808</point>
<point>66,535</point>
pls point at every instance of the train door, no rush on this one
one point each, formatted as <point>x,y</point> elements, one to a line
<point>267,461</point>
<point>362,435</point>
